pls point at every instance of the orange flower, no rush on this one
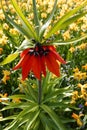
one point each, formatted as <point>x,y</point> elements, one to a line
<point>1,49</point>
<point>77,118</point>
<point>36,59</point>
<point>86,103</point>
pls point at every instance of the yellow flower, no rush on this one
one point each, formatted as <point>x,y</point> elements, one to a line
<point>5,26</point>
<point>82,46</point>
<point>3,40</point>
<point>72,49</point>
<point>22,84</point>
<point>66,35</point>
<point>73,27</point>
<point>77,76</point>
<point>2,17</point>
<point>14,31</point>
<point>84,66</point>
<point>83,91</point>
<point>43,15</point>
<point>3,97</point>
<point>75,96</point>
<point>6,76</point>
<point>76,70</point>
<point>77,118</point>
<point>16,100</point>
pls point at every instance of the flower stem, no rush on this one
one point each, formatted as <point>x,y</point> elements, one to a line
<point>39,92</point>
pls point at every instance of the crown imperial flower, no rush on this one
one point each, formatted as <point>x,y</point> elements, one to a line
<point>36,59</point>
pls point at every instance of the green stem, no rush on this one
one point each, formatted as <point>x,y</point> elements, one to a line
<point>39,92</point>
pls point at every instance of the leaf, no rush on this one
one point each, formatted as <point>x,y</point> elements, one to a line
<point>46,122</point>
<point>48,21</point>
<point>37,24</point>
<point>56,27</point>
<point>8,118</point>
<point>26,97</point>
<point>71,20</point>
<point>32,120</point>
<point>55,93</point>
<point>19,28</point>
<point>71,41</point>
<point>9,58</point>
<point>54,117</point>
<point>31,91</point>
<point>25,44</point>
<point>24,21</point>
<point>20,116</point>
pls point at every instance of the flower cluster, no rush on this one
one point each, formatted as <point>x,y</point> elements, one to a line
<point>36,59</point>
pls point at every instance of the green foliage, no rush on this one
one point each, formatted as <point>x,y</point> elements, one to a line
<point>30,111</point>
<point>20,109</point>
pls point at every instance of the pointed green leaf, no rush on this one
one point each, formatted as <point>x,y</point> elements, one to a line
<point>18,27</point>
<point>17,120</point>
<point>37,24</point>
<point>9,58</point>
<point>73,41</point>
<point>8,118</point>
<point>32,120</point>
<point>56,27</point>
<point>71,20</point>
<point>24,21</point>
<point>43,28</point>
<point>31,91</point>
<point>45,121</point>
<point>54,117</point>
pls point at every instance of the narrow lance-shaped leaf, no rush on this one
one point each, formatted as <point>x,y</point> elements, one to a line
<point>37,24</point>
<point>32,120</point>
<point>48,21</point>
<point>54,117</point>
<point>31,108</point>
<point>72,41</point>
<point>9,58</point>
<point>64,18</point>
<point>8,118</point>
<point>24,21</point>
<point>18,27</point>
<point>71,20</point>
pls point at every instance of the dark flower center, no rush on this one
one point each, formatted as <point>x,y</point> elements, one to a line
<point>39,50</point>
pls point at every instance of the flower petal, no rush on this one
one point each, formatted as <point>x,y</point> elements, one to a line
<point>36,66</point>
<point>58,57</point>
<point>19,64</point>
<point>43,68</point>
<point>26,66</point>
<point>24,52</point>
<point>52,64</point>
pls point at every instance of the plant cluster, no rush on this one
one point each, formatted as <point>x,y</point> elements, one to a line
<point>36,36</point>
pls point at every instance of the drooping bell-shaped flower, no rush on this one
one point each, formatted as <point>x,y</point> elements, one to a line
<point>39,58</point>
